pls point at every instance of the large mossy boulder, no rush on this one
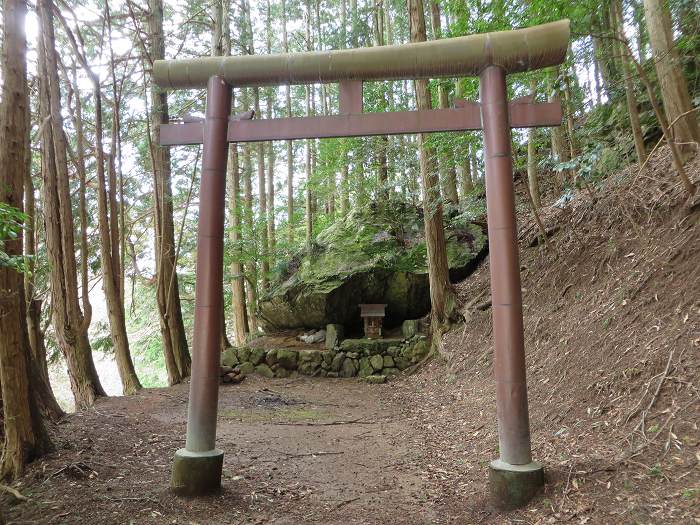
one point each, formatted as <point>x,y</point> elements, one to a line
<point>373,255</point>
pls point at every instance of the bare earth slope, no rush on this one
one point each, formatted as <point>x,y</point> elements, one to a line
<point>612,321</point>
<point>612,314</point>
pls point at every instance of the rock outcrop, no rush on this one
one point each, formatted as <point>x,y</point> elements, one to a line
<point>374,256</point>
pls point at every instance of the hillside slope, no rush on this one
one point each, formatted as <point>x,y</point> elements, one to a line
<point>612,317</point>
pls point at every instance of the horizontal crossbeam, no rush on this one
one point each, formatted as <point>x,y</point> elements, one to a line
<point>467,117</point>
<point>518,50</point>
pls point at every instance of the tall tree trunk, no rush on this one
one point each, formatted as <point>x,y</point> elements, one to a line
<point>533,184</point>
<point>344,178</point>
<point>106,200</point>
<point>640,23</point>
<point>609,71</point>
<point>382,142</point>
<point>663,122</point>
<point>354,21</point>
<point>172,328</point>
<point>33,304</point>
<point>239,315</point>
<point>220,46</point>
<point>251,271</point>
<point>68,321</point>
<point>290,149</point>
<point>560,152</point>
<point>601,55</point>
<point>448,173</point>
<point>82,205</point>
<point>262,203</point>
<point>570,110</point>
<point>309,142</point>
<point>442,297</point>
<point>674,89</point>
<point>108,229</point>
<point>38,367</point>
<point>631,100</point>
<point>465,173</point>
<point>309,207</point>
<point>25,435</point>
<point>464,169</point>
<point>116,184</point>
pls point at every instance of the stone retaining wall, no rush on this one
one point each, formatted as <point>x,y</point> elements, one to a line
<point>371,359</point>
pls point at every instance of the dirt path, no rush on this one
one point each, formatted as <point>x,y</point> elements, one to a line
<point>297,451</point>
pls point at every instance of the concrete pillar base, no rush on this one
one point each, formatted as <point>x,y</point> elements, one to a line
<point>197,473</point>
<point>513,486</point>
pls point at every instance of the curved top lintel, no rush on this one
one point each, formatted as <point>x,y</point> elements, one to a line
<point>518,50</point>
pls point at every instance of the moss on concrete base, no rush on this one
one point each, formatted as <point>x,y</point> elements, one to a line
<point>197,473</point>
<point>513,486</point>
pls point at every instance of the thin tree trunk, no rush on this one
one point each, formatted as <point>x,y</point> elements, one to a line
<point>251,272</point>
<point>674,89</point>
<point>309,197</point>
<point>570,127</point>
<point>442,296</point>
<point>172,328</point>
<point>533,183</point>
<point>262,203</point>
<point>309,208</point>
<point>110,258</point>
<point>68,321</point>
<point>631,100</point>
<point>344,182</point>
<point>239,315</point>
<point>465,173</point>
<point>80,168</point>
<point>448,173</point>
<point>382,142</point>
<point>249,220</point>
<point>676,155</point>
<point>290,149</point>
<point>560,152</point>
<point>220,46</point>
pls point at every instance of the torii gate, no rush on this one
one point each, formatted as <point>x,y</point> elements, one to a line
<point>514,477</point>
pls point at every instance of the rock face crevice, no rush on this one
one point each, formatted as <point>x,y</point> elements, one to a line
<point>373,256</point>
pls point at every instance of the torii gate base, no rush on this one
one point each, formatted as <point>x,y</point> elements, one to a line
<point>514,478</point>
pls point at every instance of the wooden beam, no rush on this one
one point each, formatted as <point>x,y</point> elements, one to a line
<point>467,117</point>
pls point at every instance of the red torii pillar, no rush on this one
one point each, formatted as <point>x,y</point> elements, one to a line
<point>514,477</point>
<point>197,467</point>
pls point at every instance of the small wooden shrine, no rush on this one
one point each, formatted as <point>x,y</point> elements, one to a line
<point>373,316</point>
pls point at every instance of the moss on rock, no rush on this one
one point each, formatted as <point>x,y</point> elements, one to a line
<point>374,255</point>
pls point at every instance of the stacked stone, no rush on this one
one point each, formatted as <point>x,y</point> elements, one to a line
<point>373,360</point>
<point>231,374</point>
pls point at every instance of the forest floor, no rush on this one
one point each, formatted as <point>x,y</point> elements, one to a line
<point>612,325</point>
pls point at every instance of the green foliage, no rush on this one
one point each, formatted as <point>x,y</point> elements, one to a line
<point>145,338</point>
<point>11,225</point>
<point>101,338</point>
